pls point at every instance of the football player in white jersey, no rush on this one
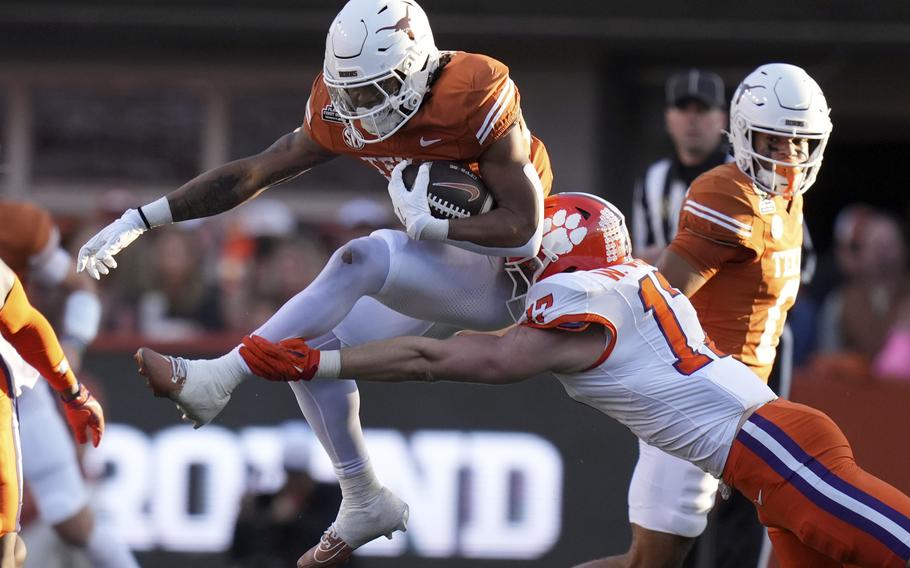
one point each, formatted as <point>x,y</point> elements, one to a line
<point>623,341</point>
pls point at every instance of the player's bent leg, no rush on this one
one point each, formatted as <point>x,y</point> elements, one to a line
<point>368,510</point>
<point>437,282</point>
<point>669,502</point>
<point>797,466</point>
<point>357,269</point>
<point>668,494</point>
<point>649,549</point>
<point>202,388</point>
<point>655,549</point>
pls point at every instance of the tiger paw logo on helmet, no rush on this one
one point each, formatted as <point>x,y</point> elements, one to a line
<point>562,232</point>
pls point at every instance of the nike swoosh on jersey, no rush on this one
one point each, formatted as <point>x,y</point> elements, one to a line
<point>425,143</point>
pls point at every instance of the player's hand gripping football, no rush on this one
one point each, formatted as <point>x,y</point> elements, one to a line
<point>288,360</point>
<point>411,206</point>
<point>84,415</point>
<point>97,255</point>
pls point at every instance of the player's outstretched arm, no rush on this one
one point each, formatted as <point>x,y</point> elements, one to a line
<point>210,193</point>
<point>478,358</point>
<point>32,336</point>
<point>227,186</point>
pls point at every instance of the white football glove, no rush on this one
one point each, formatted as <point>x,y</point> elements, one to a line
<point>97,255</point>
<point>412,207</point>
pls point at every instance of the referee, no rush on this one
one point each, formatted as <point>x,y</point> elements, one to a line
<point>695,118</point>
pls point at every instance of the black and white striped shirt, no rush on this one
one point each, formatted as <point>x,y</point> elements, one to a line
<point>659,196</point>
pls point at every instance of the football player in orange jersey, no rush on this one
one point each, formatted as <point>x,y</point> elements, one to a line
<point>30,246</point>
<point>737,256</point>
<point>32,337</point>
<point>386,95</point>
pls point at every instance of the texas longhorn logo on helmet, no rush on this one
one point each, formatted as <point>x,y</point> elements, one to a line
<point>402,25</point>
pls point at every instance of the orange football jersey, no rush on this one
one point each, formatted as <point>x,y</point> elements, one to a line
<point>26,231</point>
<point>754,275</point>
<point>472,104</point>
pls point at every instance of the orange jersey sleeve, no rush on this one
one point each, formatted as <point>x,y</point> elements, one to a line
<point>26,231</point>
<point>718,208</point>
<point>717,224</point>
<point>705,255</point>
<point>31,334</point>
<point>489,90</point>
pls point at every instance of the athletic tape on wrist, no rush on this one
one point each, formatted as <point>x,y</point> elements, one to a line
<point>156,213</point>
<point>435,230</point>
<point>329,365</point>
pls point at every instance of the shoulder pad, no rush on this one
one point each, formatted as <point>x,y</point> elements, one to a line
<point>720,209</point>
<point>559,302</point>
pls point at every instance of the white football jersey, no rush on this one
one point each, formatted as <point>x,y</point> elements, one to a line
<point>659,375</point>
<point>23,375</point>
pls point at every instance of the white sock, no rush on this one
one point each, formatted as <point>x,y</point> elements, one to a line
<point>361,488</point>
<point>105,549</point>
<point>227,371</point>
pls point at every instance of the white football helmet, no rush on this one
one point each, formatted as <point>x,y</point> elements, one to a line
<point>379,59</point>
<point>781,100</point>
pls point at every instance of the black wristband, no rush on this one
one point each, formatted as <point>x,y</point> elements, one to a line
<point>144,220</point>
<point>69,399</point>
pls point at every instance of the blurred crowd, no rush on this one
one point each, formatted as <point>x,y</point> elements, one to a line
<point>224,274</point>
<point>860,298</point>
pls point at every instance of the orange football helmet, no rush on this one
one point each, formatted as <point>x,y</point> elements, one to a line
<point>580,232</point>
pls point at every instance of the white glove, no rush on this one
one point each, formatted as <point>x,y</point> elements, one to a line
<point>97,255</point>
<point>412,207</point>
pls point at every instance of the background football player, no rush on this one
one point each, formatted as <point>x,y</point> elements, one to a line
<point>736,254</point>
<point>386,94</point>
<point>26,332</point>
<point>623,341</point>
<point>30,246</point>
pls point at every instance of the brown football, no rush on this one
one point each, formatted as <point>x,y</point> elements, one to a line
<point>454,190</point>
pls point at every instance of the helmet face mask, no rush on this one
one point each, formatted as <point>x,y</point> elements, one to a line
<point>374,104</point>
<point>783,101</point>
<point>379,60</point>
<point>581,232</point>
